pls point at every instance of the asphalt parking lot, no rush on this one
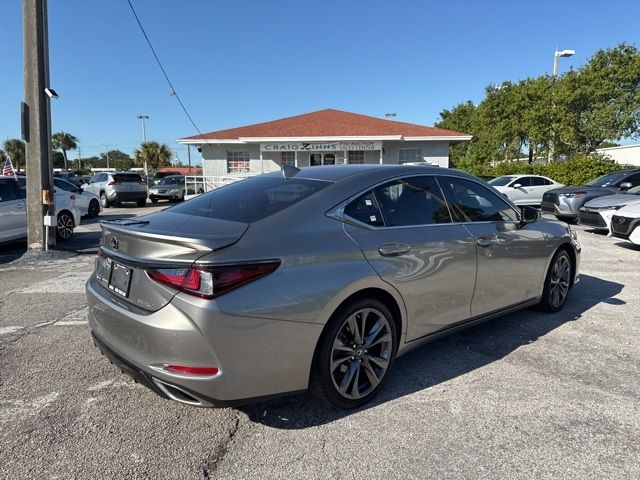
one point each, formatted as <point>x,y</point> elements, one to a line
<point>529,395</point>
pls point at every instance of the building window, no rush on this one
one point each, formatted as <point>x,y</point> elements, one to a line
<point>407,155</point>
<point>288,158</point>
<point>238,162</point>
<point>356,156</point>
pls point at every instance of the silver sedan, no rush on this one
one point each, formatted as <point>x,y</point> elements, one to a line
<point>316,278</point>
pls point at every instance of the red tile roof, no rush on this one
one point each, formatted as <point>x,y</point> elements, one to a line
<point>328,123</point>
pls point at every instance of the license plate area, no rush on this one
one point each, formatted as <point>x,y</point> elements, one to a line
<point>120,279</point>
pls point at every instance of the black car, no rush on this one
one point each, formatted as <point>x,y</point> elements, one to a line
<point>565,202</point>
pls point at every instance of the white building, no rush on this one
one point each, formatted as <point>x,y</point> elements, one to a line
<point>326,137</point>
<point>624,154</point>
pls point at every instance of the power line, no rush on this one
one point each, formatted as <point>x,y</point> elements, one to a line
<point>164,72</point>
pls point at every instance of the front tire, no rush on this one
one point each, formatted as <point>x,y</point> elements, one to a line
<point>557,282</point>
<point>64,228</point>
<point>355,354</point>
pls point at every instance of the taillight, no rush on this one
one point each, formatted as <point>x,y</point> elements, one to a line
<point>211,282</point>
<point>112,182</point>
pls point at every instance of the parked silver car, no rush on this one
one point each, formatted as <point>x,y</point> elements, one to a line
<point>316,278</point>
<point>118,187</point>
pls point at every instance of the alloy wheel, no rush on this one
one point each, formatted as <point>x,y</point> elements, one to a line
<point>361,353</point>
<point>65,226</point>
<point>560,280</point>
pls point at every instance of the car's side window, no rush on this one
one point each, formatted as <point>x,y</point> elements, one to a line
<point>63,185</point>
<point>523,181</point>
<point>472,202</point>
<point>538,181</point>
<point>7,191</point>
<point>634,180</point>
<point>365,209</point>
<point>412,201</point>
<point>93,179</point>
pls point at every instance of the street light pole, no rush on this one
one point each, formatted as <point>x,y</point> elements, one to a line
<point>107,145</point>
<point>144,140</point>
<point>552,141</point>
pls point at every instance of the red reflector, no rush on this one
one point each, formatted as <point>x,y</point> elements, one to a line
<point>192,370</point>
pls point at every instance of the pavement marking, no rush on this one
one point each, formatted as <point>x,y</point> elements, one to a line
<point>20,409</point>
<point>10,329</point>
<point>62,323</point>
<point>113,383</point>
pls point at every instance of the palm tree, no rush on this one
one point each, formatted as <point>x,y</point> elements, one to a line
<point>64,141</point>
<point>156,154</point>
<point>14,149</point>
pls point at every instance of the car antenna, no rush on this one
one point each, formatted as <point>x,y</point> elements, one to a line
<point>289,171</point>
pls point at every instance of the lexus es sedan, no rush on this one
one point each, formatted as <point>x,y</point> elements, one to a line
<point>316,278</point>
<point>565,202</point>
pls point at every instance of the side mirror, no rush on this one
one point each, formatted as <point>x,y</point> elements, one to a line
<point>625,185</point>
<point>517,185</point>
<point>530,214</point>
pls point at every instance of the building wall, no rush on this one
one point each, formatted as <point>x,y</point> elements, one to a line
<point>214,156</point>
<point>626,155</point>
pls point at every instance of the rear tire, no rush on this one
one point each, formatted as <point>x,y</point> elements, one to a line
<point>354,354</point>
<point>142,203</point>
<point>557,283</point>
<point>64,227</point>
<point>154,200</point>
<point>104,201</point>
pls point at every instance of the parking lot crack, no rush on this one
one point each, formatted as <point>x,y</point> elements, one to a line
<point>221,450</point>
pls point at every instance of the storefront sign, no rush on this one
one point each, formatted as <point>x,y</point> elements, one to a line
<point>321,146</point>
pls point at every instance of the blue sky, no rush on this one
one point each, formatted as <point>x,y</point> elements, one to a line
<point>236,62</point>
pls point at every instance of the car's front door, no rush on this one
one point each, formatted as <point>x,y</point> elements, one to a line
<point>405,231</point>
<point>511,256</point>
<point>539,185</point>
<point>13,215</point>
<point>521,190</point>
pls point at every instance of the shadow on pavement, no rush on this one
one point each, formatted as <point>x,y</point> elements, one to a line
<point>445,359</point>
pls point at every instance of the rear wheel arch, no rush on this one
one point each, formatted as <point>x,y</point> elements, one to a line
<point>375,293</point>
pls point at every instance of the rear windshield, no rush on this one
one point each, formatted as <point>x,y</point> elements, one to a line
<point>252,199</point>
<point>127,177</point>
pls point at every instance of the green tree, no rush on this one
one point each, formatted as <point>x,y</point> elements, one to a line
<point>600,101</point>
<point>156,154</point>
<point>117,159</point>
<point>14,149</point>
<point>64,141</point>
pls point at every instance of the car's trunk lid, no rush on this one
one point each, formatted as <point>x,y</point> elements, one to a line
<point>163,240</point>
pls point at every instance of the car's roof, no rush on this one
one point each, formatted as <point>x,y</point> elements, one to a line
<point>334,173</point>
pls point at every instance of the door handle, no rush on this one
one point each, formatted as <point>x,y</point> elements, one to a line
<point>486,241</point>
<point>394,249</point>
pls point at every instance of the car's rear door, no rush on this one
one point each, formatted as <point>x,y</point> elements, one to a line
<point>511,257</point>
<point>405,231</point>
<point>13,216</point>
<point>539,185</point>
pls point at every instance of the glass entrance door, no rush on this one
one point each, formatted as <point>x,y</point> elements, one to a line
<point>329,159</point>
<point>316,159</point>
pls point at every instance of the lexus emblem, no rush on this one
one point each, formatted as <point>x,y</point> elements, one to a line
<point>114,243</point>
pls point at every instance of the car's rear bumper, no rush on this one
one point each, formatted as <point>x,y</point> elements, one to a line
<point>256,357</point>
<point>165,196</point>
<point>125,196</point>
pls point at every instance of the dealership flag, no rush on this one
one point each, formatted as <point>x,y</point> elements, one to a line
<point>8,168</point>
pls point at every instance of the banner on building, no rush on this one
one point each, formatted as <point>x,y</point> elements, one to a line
<point>321,146</point>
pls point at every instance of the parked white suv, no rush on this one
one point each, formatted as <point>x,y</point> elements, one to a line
<point>13,211</point>
<point>523,189</point>
<point>88,203</point>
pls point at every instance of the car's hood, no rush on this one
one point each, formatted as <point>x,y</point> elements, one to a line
<point>632,210</point>
<point>582,188</point>
<point>617,200</point>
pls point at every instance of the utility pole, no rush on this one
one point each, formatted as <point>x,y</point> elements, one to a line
<point>144,140</point>
<point>189,157</point>
<point>37,126</point>
<point>79,158</point>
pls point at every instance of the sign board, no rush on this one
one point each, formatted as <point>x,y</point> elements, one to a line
<point>321,146</point>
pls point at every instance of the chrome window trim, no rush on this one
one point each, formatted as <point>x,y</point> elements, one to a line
<point>337,212</point>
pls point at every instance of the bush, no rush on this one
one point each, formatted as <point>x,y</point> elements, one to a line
<point>577,170</point>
